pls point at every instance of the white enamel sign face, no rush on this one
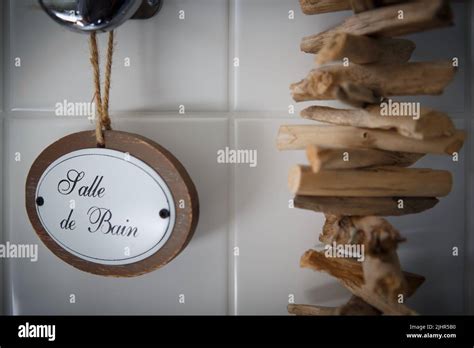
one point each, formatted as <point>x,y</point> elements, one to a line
<point>105,206</point>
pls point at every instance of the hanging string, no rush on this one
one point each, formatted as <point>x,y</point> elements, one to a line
<point>103,122</point>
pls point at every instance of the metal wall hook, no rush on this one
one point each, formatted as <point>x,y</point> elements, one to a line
<point>98,15</point>
<point>148,9</point>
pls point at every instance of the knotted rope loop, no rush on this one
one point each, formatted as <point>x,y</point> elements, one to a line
<point>103,122</point>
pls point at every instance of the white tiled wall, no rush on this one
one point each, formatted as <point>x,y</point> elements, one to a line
<point>190,63</point>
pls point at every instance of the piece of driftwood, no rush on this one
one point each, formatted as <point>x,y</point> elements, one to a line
<point>350,274</point>
<point>361,49</point>
<point>323,159</point>
<point>357,96</point>
<point>298,137</point>
<point>428,124</point>
<point>311,7</point>
<point>381,266</point>
<point>359,206</point>
<point>382,273</point>
<point>376,233</point>
<point>379,236</point>
<point>386,21</point>
<point>414,78</point>
<point>355,306</point>
<point>367,5</point>
<point>339,229</point>
<point>363,5</point>
<point>310,310</point>
<point>373,182</point>
<point>348,269</point>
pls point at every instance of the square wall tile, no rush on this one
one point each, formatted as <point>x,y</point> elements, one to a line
<point>267,44</point>
<point>431,237</point>
<point>159,63</point>
<point>272,237</point>
<point>199,272</point>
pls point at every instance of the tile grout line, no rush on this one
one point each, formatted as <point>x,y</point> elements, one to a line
<point>7,46</point>
<point>232,235</point>
<point>6,293</point>
<point>157,115</point>
<point>7,286</point>
<point>232,53</point>
<point>232,263</point>
<point>160,115</point>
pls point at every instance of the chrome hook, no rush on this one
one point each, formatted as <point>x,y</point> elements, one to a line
<point>98,15</point>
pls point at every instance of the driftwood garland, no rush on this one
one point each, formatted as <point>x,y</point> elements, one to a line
<point>359,161</point>
<point>322,6</point>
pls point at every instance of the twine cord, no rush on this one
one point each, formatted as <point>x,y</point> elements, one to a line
<point>103,122</point>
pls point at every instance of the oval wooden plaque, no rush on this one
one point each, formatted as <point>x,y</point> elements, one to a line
<point>122,210</point>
